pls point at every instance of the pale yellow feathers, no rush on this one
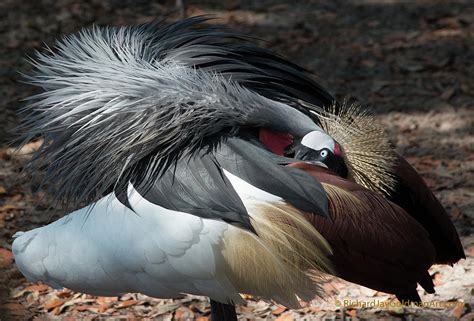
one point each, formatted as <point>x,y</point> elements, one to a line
<point>342,201</point>
<point>285,261</point>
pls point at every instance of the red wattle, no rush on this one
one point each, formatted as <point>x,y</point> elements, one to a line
<point>337,149</point>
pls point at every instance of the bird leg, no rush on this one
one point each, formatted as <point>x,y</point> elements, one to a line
<point>222,312</point>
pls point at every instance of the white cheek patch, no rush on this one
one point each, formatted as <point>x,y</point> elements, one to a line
<point>318,140</point>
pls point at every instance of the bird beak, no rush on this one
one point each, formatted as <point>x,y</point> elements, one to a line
<point>318,163</point>
<point>306,165</point>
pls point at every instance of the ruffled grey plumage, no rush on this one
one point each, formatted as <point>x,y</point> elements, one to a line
<point>119,103</point>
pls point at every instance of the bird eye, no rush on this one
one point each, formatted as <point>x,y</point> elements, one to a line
<point>323,153</point>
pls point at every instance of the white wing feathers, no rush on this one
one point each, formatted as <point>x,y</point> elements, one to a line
<point>107,249</point>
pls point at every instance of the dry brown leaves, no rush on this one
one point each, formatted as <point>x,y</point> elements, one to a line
<point>411,59</point>
<point>6,258</point>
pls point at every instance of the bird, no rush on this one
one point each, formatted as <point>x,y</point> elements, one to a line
<point>402,185</point>
<point>195,161</point>
<point>392,206</point>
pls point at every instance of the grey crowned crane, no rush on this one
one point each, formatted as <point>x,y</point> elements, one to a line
<point>215,167</point>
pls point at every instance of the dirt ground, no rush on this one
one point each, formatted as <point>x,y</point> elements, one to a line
<point>410,62</point>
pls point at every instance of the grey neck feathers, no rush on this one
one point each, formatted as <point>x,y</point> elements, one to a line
<point>283,118</point>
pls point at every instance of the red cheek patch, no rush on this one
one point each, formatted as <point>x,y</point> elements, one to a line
<point>276,142</point>
<point>337,149</point>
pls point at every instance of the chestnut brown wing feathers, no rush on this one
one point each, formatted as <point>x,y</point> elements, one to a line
<point>375,242</point>
<point>415,197</point>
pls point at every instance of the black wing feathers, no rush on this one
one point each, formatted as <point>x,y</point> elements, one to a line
<point>219,50</point>
<point>260,168</point>
<point>197,185</point>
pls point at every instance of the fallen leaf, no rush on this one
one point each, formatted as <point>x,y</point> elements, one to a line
<point>87,307</point>
<point>178,314</point>
<point>36,288</point>
<point>73,302</point>
<point>437,279</point>
<point>312,309</point>
<point>352,313</point>
<point>56,310</point>
<point>285,317</point>
<point>53,304</point>
<point>458,310</point>
<point>470,251</point>
<point>126,304</point>
<point>64,294</point>
<point>106,300</point>
<point>183,313</point>
<point>6,258</point>
<point>3,190</point>
<point>446,33</point>
<point>279,310</point>
<point>9,207</point>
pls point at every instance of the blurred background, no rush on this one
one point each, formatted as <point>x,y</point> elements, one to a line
<point>409,62</point>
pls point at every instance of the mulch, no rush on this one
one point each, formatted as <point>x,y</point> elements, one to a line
<point>410,63</point>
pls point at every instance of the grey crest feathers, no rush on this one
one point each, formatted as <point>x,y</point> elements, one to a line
<point>122,102</point>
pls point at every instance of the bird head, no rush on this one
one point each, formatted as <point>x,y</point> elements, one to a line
<point>348,142</point>
<point>319,148</point>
